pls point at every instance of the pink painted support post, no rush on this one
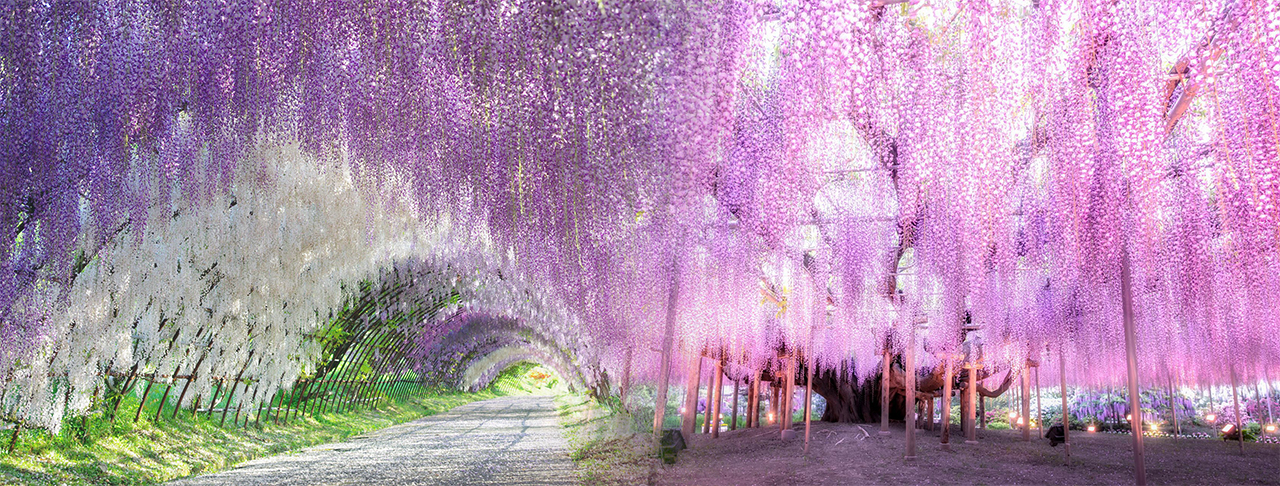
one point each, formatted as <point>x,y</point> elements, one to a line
<point>1131,353</point>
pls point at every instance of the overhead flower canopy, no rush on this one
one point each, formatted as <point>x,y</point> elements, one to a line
<point>810,176</point>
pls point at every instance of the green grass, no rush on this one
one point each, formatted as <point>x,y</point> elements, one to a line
<point>608,444</point>
<point>150,451</point>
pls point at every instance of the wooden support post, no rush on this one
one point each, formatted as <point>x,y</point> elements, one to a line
<point>1173,408</point>
<point>213,401</point>
<point>688,419</point>
<point>195,407</point>
<point>946,405</point>
<point>784,402</point>
<point>13,441</point>
<point>1039,408</point>
<point>982,412</point>
<point>790,391</point>
<point>775,394</point>
<point>909,382</point>
<point>143,402</point>
<point>1235,398</point>
<point>733,423</point>
<point>714,405</point>
<point>165,398</point>
<point>1066,421</point>
<point>808,402</point>
<point>884,394</point>
<point>1026,402</point>
<point>753,402</point>
<point>971,435</point>
<point>706,411</point>
<point>1131,353</point>
<point>668,336</point>
<point>625,386</point>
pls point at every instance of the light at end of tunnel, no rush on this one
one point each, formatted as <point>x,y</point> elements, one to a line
<point>770,417</point>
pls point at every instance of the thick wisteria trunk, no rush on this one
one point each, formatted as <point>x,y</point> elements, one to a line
<point>668,337</point>
<point>1026,403</point>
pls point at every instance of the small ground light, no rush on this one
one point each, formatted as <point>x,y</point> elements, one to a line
<point>1211,417</point>
<point>1226,429</point>
<point>1092,428</point>
<point>1019,420</point>
<point>1129,417</point>
<point>1271,428</point>
<point>1012,415</point>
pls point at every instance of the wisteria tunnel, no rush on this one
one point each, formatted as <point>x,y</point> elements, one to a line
<point>902,229</point>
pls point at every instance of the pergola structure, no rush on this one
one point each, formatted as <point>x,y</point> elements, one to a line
<point>266,193</point>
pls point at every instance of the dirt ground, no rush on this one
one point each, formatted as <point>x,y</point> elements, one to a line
<point>843,454</point>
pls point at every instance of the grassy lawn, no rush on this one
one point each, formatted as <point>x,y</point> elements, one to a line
<point>608,444</point>
<point>150,451</point>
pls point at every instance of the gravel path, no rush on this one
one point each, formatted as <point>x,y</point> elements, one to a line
<point>509,441</point>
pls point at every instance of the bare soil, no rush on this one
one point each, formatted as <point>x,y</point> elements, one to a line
<point>845,454</point>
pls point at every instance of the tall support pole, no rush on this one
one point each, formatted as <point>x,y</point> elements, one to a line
<point>706,412</point>
<point>1173,408</point>
<point>1039,407</point>
<point>808,402</point>
<point>1026,402</point>
<point>971,435</point>
<point>625,386</point>
<point>733,423</point>
<point>788,394</point>
<point>668,337</point>
<point>909,383</point>
<point>946,406</point>
<point>714,406</point>
<point>1235,398</point>
<point>1131,353</point>
<point>1066,421</point>
<point>753,393</point>
<point>884,393</point>
<point>775,393</point>
<point>689,416</point>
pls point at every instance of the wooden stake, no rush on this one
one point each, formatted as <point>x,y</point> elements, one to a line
<point>142,403</point>
<point>946,406</point>
<point>688,419</point>
<point>884,394</point>
<point>1131,353</point>
<point>714,406</point>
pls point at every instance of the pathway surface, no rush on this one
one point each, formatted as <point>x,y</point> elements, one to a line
<point>508,441</point>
